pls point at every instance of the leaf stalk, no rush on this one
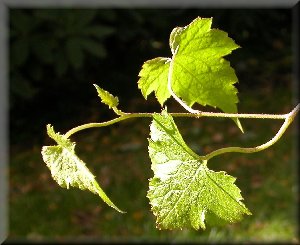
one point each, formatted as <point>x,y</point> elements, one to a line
<point>170,73</point>
<point>288,120</point>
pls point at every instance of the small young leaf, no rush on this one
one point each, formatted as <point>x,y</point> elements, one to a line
<point>106,97</point>
<point>69,170</point>
<point>184,192</point>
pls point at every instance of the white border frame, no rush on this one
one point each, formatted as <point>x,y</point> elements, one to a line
<point>209,4</point>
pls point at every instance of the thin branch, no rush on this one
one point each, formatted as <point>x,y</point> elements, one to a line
<point>241,115</point>
<point>94,125</point>
<point>125,116</point>
<point>289,119</point>
<point>117,111</point>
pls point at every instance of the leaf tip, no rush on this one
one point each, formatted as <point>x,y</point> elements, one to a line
<point>107,98</point>
<point>238,123</point>
<point>95,85</point>
<point>49,127</point>
<point>116,208</point>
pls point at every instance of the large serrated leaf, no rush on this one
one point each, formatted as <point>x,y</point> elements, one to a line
<point>200,73</point>
<point>184,192</point>
<point>67,169</point>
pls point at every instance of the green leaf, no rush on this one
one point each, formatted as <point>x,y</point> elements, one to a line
<point>95,48</point>
<point>84,17</point>
<point>74,52</point>
<point>184,192</point>
<point>69,170</point>
<point>43,48</point>
<point>61,64</point>
<point>200,74</point>
<point>99,31</point>
<point>106,97</point>
<point>153,77</point>
<point>21,87</point>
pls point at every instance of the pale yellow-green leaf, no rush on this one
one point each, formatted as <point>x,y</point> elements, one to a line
<point>67,169</point>
<point>106,97</point>
<point>184,192</point>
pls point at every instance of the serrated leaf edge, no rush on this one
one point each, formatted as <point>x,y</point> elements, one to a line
<point>66,145</point>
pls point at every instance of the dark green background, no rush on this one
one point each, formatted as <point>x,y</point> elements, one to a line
<point>51,75</point>
<point>55,57</point>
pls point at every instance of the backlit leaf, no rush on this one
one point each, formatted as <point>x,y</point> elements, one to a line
<point>154,75</point>
<point>67,169</point>
<point>184,192</point>
<point>106,97</point>
<point>200,73</point>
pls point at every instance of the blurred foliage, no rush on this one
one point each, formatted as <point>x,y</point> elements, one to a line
<point>55,39</point>
<point>56,55</point>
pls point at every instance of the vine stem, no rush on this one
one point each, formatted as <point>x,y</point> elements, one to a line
<point>288,120</point>
<point>124,116</point>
